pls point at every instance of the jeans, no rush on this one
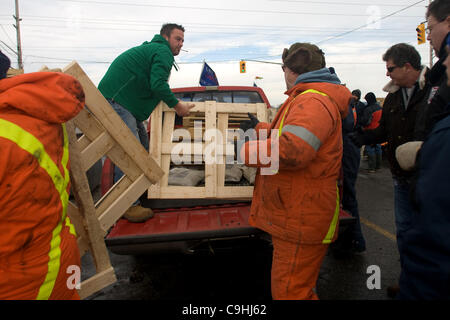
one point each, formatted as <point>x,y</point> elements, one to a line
<point>137,129</point>
<point>374,154</point>
<point>373,149</point>
<point>350,163</point>
<point>404,213</point>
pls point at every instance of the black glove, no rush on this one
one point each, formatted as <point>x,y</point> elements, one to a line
<point>249,124</point>
<point>357,139</point>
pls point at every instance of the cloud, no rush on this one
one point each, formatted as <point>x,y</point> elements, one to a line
<point>54,32</point>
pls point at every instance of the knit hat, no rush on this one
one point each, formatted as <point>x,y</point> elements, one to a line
<point>370,98</point>
<point>303,57</point>
<point>357,93</point>
<point>5,63</point>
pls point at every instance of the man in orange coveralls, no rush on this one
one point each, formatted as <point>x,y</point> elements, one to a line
<point>37,240</point>
<point>299,205</point>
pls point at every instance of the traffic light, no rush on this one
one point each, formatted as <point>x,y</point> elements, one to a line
<point>242,66</point>
<point>421,33</point>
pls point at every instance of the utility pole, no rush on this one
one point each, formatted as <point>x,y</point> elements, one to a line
<point>431,47</point>
<point>17,26</point>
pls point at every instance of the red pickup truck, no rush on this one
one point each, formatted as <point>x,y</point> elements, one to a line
<point>190,225</point>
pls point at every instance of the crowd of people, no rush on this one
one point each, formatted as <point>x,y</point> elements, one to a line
<point>318,130</point>
<point>297,206</point>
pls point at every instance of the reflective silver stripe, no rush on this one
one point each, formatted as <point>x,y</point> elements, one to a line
<point>304,134</point>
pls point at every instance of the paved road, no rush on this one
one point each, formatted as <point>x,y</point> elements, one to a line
<point>245,272</point>
<point>347,278</point>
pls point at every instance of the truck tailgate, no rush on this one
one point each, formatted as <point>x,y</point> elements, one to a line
<point>185,224</point>
<point>178,226</point>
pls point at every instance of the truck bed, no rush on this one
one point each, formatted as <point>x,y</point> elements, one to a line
<point>180,228</point>
<point>184,229</point>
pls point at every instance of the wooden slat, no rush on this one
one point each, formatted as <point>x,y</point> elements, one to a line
<point>98,105</point>
<point>88,124</point>
<point>194,148</point>
<point>77,221</point>
<point>123,202</point>
<point>104,133</point>
<point>155,146</point>
<point>235,192</point>
<point>213,115</point>
<point>210,142</point>
<point>221,107</point>
<point>85,203</point>
<point>177,192</point>
<point>167,131</point>
<point>261,112</point>
<point>108,199</point>
<point>83,142</point>
<point>222,125</point>
<point>92,129</point>
<point>95,150</point>
<point>121,159</point>
<point>97,282</point>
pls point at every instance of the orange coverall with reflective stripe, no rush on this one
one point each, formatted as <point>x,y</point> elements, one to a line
<point>298,205</point>
<point>37,242</point>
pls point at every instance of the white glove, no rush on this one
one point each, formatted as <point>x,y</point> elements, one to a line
<point>406,154</point>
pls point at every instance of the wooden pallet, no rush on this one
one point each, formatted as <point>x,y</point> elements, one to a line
<point>214,115</point>
<point>104,134</point>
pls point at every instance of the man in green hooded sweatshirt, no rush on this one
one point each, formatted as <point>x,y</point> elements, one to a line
<point>136,82</point>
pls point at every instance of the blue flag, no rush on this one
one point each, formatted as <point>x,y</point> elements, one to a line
<point>208,76</point>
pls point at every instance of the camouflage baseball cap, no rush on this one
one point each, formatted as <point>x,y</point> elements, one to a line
<point>303,57</point>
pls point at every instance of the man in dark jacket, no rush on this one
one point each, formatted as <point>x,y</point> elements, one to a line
<point>438,20</point>
<point>136,82</point>
<point>426,272</point>
<point>438,16</point>
<point>407,94</point>
<point>352,239</point>
<point>370,119</point>
<point>358,105</point>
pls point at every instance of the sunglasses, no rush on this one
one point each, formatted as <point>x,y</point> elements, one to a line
<point>390,69</point>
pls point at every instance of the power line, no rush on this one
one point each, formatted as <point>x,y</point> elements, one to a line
<point>218,26</point>
<point>339,3</point>
<point>7,35</point>
<point>158,23</point>
<point>65,59</point>
<point>268,32</point>
<point>255,59</point>
<point>234,10</point>
<point>370,23</point>
<point>7,48</point>
<point>363,26</point>
<point>11,49</point>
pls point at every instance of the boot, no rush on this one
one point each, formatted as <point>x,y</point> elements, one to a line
<point>393,290</point>
<point>378,161</point>
<point>371,162</point>
<point>138,214</point>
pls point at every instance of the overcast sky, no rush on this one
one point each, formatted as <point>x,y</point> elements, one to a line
<point>353,34</point>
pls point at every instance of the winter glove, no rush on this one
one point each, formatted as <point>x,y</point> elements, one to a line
<point>406,154</point>
<point>357,139</point>
<point>249,124</point>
